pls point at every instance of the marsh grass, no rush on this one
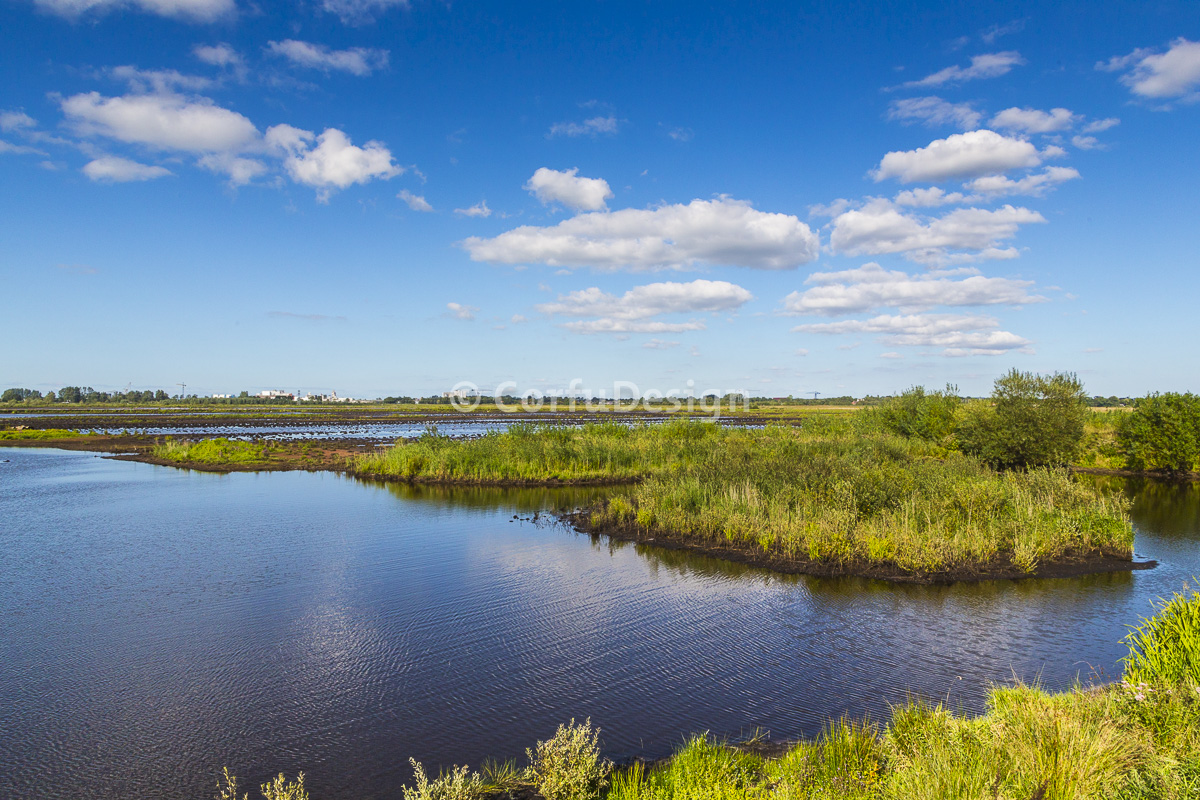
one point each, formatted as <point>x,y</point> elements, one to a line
<point>49,433</point>
<point>211,451</point>
<point>1165,649</point>
<point>837,491</point>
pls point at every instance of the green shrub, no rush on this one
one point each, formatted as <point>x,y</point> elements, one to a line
<point>279,788</point>
<point>568,766</point>
<point>1032,421</point>
<point>457,784</point>
<point>920,414</point>
<point>1161,433</point>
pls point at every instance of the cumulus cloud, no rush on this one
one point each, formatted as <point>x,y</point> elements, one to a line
<point>872,287</point>
<point>961,155</point>
<point>20,149</point>
<point>480,209</point>
<point>240,171</point>
<point>460,311</point>
<point>723,231</point>
<point>161,81</point>
<point>567,188</point>
<point>879,227</point>
<point>1160,76</point>
<point>197,10</point>
<point>1086,142</point>
<point>358,12</point>
<point>1032,120</point>
<point>164,121</point>
<point>415,201</point>
<point>218,55</point>
<point>1101,125</point>
<point>934,111</point>
<point>16,121</point>
<point>659,344</point>
<point>589,127</point>
<point>334,163</point>
<point>1033,185</point>
<point>956,334</point>
<point>122,170</point>
<point>634,312</point>
<point>928,198</point>
<point>359,61</point>
<point>987,65</point>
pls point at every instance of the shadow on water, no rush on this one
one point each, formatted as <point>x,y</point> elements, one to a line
<point>494,498</point>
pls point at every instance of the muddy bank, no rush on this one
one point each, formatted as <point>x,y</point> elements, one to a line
<point>744,553</point>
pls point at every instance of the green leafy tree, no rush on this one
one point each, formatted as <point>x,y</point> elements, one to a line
<point>1162,433</point>
<point>1032,421</point>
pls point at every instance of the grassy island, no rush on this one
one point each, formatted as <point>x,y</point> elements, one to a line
<point>824,498</point>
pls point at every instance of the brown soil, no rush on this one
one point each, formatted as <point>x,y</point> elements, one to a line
<point>1073,565</point>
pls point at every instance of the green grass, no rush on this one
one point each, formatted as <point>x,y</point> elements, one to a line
<point>49,433</point>
<point>211,451</point>
<point>826,492</point>
<point>1166,647</point>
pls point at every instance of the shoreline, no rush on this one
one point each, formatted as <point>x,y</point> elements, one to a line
<point>745,553</point>
<point>334,456</point>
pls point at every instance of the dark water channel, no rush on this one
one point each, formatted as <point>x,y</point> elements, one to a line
<point>156,624</point>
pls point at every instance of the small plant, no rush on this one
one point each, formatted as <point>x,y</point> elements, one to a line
<point>1165,649</point>
<point>568,766</point>
<point>457,784</point>
<point>282,789</point>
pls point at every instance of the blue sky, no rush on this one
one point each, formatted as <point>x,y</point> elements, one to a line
<point>379,197</point>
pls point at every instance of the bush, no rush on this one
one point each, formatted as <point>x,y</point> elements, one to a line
<point>1162,433</point>
<point>1032,421</point>
<point>920,414</point>
<point>457,784</point>
<point>568,766</point>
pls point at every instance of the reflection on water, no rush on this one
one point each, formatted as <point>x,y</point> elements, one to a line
<point>156,624</point>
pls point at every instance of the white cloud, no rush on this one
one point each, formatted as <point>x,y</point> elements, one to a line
<point>122,170</point>
<point>334,162</point>
<point>480,209</point>
<point>871,287</point>
<point>1032,120</point>
<point>996,31</point>
<point>162,81</point>
<point>241,171</point>
<point>879,228</point>
<point>218,55</point>
<point>163,121</point>
<point>1175,73</point>
<point>415,201</point>
<point>802,351</point>
<point>634,311</point>
<point>15,121</point>
<point>357,12</point>
<point>1086,142</point>
<point>711,232</point>
<point>20,149</point>
<point>928,198</point>
<point>359,61</point>
<point>581,194</point>
<point>518,319</point>
<point>961,155</point>
<point>890,355</point>
<point>460,311</point>
<point>659,344</point>
<point>987,65</point>
<point>934,111</point>
<point>198,10</point>
<point>1034,185</point>
<point>589,127</point>
<point>829,209</point>
<point>1101,125</point>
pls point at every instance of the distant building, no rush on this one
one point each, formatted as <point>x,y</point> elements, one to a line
<point>275,394</point>
<point>462,393</point>
<point>222,396</point>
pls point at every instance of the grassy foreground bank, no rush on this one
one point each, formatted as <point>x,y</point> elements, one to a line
<point>1134,740</point>
<point>825,495</point>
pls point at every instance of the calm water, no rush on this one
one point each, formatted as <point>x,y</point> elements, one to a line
<point>156,624</point>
